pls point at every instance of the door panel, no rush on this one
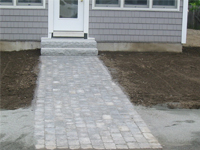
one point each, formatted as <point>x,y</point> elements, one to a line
<point>68,15</point>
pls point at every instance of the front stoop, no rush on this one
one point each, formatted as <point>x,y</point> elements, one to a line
<point>68,47</point>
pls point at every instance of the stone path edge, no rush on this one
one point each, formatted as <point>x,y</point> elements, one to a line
<point>109,149</point>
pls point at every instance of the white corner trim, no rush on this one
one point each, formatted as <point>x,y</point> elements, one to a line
<point>184,21</point>
<point>50,18</point>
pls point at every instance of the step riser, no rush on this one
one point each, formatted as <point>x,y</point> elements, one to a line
<point>68,47</point>
<point>68,44</point>
<point>69,51</point>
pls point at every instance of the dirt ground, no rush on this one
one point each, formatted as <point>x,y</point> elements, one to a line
<point>18,78</point>
<point>148,78</point>
<point>158,78</point>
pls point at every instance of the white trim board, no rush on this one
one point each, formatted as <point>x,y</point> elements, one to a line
<point>86,17</point>
<point>15,6</point>
<point>150,8</point>
<point>184,21</point>
<point>50,18</point>
<point>67,34</point>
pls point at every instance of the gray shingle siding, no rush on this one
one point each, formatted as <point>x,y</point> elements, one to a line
<point>23,24</point>
<point>135,26</point>
<point>104,25</point>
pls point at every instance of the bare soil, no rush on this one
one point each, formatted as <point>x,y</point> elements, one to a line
<point>149,79</point>
<point>18,78</point>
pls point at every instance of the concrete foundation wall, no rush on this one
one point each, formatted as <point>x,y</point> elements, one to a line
<point>140,47</point>
<point>134,47</point>
<point>18,45</point>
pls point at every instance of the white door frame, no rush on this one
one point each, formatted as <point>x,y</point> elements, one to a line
<point>85,17</point>
<point>184,22</point>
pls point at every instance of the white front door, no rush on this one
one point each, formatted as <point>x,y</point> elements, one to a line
<point>68,15</point>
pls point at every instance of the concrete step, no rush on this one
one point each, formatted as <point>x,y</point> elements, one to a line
<point>69,51</point>
<point>67,43</point>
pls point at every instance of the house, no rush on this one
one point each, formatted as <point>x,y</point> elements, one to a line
<point>116,25</point>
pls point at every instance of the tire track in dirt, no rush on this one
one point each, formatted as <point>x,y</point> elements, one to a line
<point>187,77</point>
<point>3,72</point>
<point>22,68</point>
<point>156,74</point>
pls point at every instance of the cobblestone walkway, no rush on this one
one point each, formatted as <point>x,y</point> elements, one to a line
<point>78,106</point>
